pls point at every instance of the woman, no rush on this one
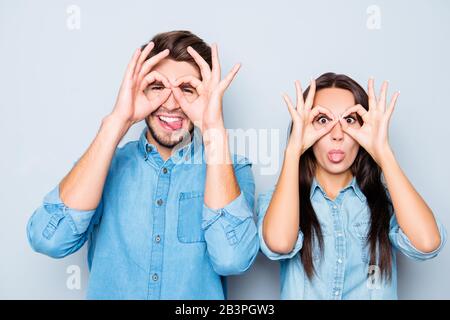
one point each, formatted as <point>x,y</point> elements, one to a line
<point>331,220</point>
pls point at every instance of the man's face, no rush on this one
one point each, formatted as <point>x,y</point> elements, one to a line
<point>168,124</point>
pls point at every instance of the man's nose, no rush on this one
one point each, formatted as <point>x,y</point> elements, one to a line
<point>171,103</point>
<point>337,133</point>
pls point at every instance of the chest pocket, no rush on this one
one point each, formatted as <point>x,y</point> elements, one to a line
<point>362,229</point>
<point>190,208</point>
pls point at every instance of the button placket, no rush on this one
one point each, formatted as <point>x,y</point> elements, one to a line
<point>162,191</point>
<point>338,282</point>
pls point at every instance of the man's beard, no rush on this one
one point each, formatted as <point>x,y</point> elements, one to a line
<point>168,143</point>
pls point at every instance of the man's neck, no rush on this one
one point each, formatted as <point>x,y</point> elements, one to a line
<point>163,151</point>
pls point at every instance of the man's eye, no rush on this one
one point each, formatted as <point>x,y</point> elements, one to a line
<point>157,87</point>
<point>187,90</point>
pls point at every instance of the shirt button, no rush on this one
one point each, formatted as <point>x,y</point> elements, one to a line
<point>159,202</point>
<point>149,148</point>
<point>334,207</point>
<point>339,260</point>
<point>336,293</point>
<point>164,170</point>
<point>155,277</point>
<point>157,239</point>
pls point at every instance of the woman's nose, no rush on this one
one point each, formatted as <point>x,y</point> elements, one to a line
<point>337,133</point>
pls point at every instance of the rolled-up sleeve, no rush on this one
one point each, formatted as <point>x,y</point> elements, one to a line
<point>263,204</point>
<point>230,232</point>
<point>401,242</point>
<point>56,230</point>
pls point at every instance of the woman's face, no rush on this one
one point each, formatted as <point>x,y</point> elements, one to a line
<point>335,151</point>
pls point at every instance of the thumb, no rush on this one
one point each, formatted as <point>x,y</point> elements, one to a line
<point>346,128</point>
<point>323,131</point>
<point>181,99</point>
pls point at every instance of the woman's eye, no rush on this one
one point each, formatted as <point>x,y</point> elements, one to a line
<point>350,119</point>
<point>323,120</point>
<point>157,87</point>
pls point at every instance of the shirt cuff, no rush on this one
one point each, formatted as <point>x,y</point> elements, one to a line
<point>408,248</point>
<point>79,219</point>
<point>234,213</point>
<point>278,256</point>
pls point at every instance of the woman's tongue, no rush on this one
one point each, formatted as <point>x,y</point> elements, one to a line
<point>172,123</point>
<point>336,157</point>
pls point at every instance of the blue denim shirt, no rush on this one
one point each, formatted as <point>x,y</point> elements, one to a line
<point>152,236</point>
<point>342,271</point>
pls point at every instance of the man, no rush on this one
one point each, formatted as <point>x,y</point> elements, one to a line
<point>170,214</point>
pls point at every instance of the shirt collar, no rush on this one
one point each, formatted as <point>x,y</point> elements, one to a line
<point>352,185</point>
<point>181,153</point>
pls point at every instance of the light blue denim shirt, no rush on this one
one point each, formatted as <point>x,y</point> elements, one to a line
<point>342,271</point>
<point>152,237</point>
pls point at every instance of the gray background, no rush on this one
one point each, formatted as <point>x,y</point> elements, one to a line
<point>57,84</point>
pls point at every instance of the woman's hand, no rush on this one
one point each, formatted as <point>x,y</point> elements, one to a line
<point>373,134</point>
<point>304,134</point>
<point>132,104</point>
<point>206,110</point>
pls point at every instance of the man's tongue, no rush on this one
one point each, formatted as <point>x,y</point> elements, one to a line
<point>173,125</point>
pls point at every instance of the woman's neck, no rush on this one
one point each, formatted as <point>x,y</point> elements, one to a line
<point>331,183</point>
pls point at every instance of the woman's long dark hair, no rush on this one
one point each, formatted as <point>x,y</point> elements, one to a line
<point>368,177</point>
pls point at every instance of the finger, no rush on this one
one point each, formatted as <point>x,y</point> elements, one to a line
<point>181,99</point>
<point>323,131</point>
<point>152,77</point>
<point>193,81</point>
<point>225,83</point>
<point>144,54</point>
<point>131,66</point>
<point>359,109</point>
<point>371,94</point>
<point>215,64</point>
<point>318,110</point>
<point>392,104</point>
<point>298,89</point>
<point>310,97</point>
<point>347,129</point>
<point>150,63</point>
<point>165,93</point>
<point>290,107</point>
<point>383,93</point>
<point>205,70</point>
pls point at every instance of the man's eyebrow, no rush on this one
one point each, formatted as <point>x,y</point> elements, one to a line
<point>186,86</point>
<point>156,83</point>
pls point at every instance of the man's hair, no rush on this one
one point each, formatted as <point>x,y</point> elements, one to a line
<point>177,42</point>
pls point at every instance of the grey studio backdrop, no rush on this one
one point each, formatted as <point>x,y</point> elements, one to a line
<point>61,63</point>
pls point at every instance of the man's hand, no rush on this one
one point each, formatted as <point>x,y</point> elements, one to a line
<point>132,104</point>
<point>206,110</point>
